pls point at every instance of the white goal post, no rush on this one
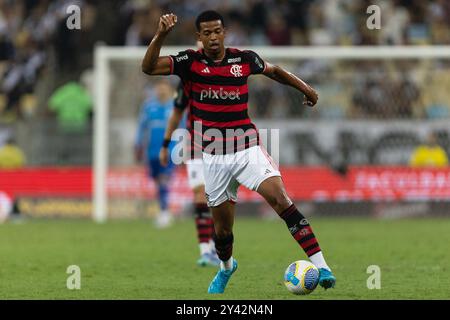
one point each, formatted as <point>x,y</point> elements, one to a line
<point>104,56</point>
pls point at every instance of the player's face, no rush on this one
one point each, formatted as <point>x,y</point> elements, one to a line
<point>212,35</point>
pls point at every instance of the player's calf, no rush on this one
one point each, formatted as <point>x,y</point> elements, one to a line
<point>302,232</point>
<point>205,230</point>
<point>224,249</point>
<point>272,189</point>
<point>204,225</point>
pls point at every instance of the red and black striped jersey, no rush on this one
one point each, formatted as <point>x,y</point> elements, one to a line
<point>217,95</point>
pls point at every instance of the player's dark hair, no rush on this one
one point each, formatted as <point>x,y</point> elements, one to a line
<point>209,15</point>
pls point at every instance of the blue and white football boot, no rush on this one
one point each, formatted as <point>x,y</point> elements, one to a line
<point>221,279</point>
<point>326,278</point>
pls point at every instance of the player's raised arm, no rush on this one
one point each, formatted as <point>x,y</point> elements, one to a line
<point>153,64</point>
<point>285,77</point>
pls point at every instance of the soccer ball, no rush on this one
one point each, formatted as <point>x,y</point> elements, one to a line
<point>301,277</point>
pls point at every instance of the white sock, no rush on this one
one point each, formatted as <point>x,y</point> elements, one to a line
<point>212,246</point>
<point>227,265</point>
<point>318,260</point>
<point>204,248</point>
<point>164,213</point>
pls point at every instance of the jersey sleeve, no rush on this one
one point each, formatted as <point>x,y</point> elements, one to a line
<point>257,65</point>
<point>181,63</point>
<point>181,99</point>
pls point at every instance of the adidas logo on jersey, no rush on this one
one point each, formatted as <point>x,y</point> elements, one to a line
<point>206,70</point>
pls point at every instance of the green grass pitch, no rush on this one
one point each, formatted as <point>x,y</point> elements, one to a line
<point>133,260</point>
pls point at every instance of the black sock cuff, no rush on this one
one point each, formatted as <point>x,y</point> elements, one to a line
<point>293,217</point>
<point>224,246</point>
<point>202,210</point>
<point>288,212</point>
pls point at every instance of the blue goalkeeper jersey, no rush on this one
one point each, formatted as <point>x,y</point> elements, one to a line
<point>152,125</point>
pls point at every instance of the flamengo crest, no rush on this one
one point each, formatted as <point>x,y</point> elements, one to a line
<point>236,70</point>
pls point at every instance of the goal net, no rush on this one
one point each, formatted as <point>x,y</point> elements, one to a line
<point>355,152</point>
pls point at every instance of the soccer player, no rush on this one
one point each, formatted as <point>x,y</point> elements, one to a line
<point>194,165</point>
<point>152,120</point>
<point>216,81</point>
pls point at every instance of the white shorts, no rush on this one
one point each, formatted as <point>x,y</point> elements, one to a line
<point>224,173</point>
<point>195,173</point>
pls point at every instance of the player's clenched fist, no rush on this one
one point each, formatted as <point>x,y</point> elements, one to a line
<point>311,97</point>
<point>166,23</point>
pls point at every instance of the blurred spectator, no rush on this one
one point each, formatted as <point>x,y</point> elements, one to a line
<point>236,34</point>
<point>278,31</point>
<point>395,21</point>
<point>438,19</point>
<point>11,156</point>
<point>142,29</point>
<point>380,93</point>
<point>21,73</point>
<point>429,154</point>
<point>370,90</point>
<point>72,104</point>
<point>406,94</point>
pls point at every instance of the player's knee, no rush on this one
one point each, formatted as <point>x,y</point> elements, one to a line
<point>278,200</point>
<point>199,194</point>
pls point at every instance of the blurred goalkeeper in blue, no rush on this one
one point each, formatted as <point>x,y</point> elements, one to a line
<point>153,118</point>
